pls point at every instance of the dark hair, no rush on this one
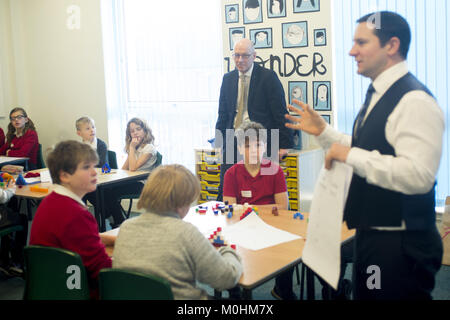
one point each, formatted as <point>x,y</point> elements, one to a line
<point>281,5</point>
<point>390,25</point>
<point>66,157</point>
<point>252,4</point>
<point>267,37</point>
<point>299,3</point>
<point>12,131</point>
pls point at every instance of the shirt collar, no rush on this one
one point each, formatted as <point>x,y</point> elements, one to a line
<point>93,144</point>
<point>59,189</point>
<point>248,73</point>
<point>265,163</point>
<point>388,77</point>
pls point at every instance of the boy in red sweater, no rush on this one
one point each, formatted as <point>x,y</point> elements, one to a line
<point>62,219</point>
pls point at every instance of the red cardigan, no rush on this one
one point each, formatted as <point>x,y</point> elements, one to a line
<point>24,146</point>
<point>2,137</point>
<point>62,222</point>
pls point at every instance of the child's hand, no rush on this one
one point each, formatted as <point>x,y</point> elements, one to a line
<point>11,184</point>
<point>134,142</point>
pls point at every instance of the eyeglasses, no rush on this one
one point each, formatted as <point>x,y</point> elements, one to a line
<point>17,117</point>
<point>243,56</point>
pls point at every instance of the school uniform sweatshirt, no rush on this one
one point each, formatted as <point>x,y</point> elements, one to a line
<point>175,250</point>
<point>63,221</point>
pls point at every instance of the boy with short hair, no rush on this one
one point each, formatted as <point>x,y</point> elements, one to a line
<point>86,130</point>
<point>62,219</point>
<point>258,181</point>
<point>254,180</point>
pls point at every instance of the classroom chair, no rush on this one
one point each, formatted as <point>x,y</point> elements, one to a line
<point>117,284</point>
<point>54,274</point>
<point>137,195</point>
<point>112,158</point>
<point>40,158</point>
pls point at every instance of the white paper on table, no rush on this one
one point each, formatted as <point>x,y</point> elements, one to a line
<point>254,234</point>
<point>33,180</point>
<point>322,251</point>
<point>45,176</point>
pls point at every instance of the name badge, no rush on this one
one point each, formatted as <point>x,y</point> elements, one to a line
<point>246,194</point>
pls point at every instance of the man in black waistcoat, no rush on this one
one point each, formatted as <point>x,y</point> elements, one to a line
<point>395,152</point>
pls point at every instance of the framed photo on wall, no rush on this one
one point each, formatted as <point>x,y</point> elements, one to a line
<point>276,8</point>
<point>320,37</point>
<point>235,35</point>
<point>322,95</point>
<point>261,38</point>
<point>306,6</point>
<point>232,13</point>
<point>252,11</point>
<point>326,117</point>
<point>295,34</point>
<point>298,90</point>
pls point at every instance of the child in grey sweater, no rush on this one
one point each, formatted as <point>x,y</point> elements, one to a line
<point>160,243</point>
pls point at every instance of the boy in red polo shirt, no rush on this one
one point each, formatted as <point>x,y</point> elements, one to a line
<point>254,180</point>
<point>258,181</point>
<point>62,219</point>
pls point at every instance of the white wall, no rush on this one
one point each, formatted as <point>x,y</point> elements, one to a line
<point>59,72</point>
<point>8,96</point>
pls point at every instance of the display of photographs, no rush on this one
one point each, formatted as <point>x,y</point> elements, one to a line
<point>261,38</point>
<point>295,34</point>
<point>298,90</point>
<point>322,95</point>
<point>232,13</point>
<point>252,11</point>
<point>327,118</point>
<point>306,6</point>
<point>235,35</point>
<point>276,8</point>
<point>320,37</point>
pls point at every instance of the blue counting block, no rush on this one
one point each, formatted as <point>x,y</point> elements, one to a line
<point>298,215</point>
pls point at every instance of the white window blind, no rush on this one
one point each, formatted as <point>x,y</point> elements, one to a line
<point>427,60</point>
<point>167,63</point>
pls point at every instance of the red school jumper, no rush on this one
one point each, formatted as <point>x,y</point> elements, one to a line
<point>62,222</point>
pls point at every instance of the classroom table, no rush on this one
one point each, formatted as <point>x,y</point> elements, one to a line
<point>262,265</point>
<point>14,161</point>
<point>109,180</point>
<point>104,181</point>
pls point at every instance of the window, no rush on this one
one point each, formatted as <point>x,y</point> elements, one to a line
<point>164,63</point>
<point>427,60</point>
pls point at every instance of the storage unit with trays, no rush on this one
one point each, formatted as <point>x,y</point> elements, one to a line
<point>207,169</point>
<point>290,169</point>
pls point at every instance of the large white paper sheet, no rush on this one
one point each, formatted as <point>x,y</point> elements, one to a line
<point>254,234</point>
<point>322,251</point>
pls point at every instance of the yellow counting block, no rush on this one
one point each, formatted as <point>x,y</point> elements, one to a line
<point>38,189</point>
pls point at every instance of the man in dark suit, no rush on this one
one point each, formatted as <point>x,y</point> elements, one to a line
<point>253,93</point>
<point>395,152</point>
<point>263,102</point>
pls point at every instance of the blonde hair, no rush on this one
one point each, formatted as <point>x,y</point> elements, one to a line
<point>168,188</point>
<point>84,120</point>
